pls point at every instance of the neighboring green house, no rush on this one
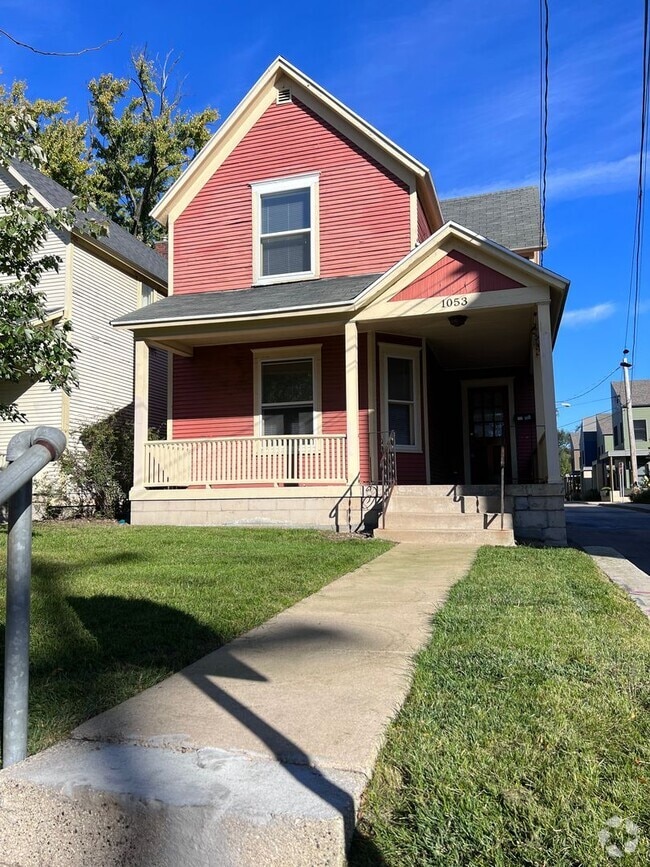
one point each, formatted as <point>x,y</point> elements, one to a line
<point>613,442</point>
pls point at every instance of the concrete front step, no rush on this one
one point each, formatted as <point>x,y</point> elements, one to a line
<point>449,537</point>
<point>451,491</point>
<point>397,520</point>
<point>468,505</point>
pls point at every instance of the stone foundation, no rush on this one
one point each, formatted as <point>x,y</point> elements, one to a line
<point>538,513</point>
<point>299,511</point>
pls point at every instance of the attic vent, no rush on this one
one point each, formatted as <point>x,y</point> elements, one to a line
<point>284,96</point>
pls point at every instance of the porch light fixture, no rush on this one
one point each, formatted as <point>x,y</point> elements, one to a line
<point>458,320</point>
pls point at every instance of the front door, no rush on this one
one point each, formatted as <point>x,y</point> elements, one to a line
<point>488,419</point>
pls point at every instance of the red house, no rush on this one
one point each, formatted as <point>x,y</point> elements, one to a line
<point>330,321</point>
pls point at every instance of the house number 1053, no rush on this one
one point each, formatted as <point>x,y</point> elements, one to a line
<point>458,301</point>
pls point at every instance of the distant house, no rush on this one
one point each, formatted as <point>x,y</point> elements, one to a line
<point>605,455</point>
<point>322,298</point>
<point>98,279</point>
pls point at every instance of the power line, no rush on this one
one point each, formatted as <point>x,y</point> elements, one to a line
<point>633,302</point>
<point>593,387</point>
<point>543,118</point>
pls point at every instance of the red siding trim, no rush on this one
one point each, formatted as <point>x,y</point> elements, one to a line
<point>456,274</point>
<point>364,209</point>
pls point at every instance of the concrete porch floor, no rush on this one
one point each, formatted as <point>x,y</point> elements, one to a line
<point>256,754</point>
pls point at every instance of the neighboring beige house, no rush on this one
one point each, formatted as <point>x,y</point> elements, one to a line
<point>98,280</point>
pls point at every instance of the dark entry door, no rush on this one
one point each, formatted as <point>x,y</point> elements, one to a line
<point>488,430</point>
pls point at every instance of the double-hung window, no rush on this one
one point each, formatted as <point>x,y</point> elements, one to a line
<point>401,395</point>
<point>285,229</point>
<point>287,391</point>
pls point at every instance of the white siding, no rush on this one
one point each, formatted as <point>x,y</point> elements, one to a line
<point>40,405</point>
<point>53,282</point>
<point>101,293</point>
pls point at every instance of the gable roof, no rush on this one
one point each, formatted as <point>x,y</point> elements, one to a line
<point>118,242</point>
<point>604,422</point>
<point>259,97</point>
<point>509,217</point>
<point>640,389</point>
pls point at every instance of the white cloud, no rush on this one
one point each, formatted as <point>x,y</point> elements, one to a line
<point>587,315</point>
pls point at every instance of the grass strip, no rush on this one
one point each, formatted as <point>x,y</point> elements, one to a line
<point>527,727</point>
<point>115,609</point>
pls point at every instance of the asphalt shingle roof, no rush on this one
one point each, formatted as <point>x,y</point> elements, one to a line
<point>640,389</point>
<point>118,241</point>
<point>509,217</point>
<point>604,421</point>
<point>254,299</point>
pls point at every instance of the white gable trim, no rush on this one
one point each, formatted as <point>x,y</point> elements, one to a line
<point>263,94</point>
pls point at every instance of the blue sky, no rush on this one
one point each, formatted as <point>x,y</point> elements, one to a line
<point>454,82</point>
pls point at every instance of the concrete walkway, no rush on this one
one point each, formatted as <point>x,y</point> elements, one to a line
<point>255,755</point>
<point>633,580</point>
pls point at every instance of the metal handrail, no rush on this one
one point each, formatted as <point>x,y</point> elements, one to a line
<point>503,483</point>
<point>27,453</point>
<point>387,470</point>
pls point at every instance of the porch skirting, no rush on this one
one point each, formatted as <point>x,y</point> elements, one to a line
<point>537,510</point>
<point>316,511</point>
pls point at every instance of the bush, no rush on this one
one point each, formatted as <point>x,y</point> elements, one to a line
<point>97,475</point>
<point>642,494</point>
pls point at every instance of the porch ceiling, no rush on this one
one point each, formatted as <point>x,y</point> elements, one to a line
<point>489,338</point>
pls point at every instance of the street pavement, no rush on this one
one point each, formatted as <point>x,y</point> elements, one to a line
<point>625,528</point>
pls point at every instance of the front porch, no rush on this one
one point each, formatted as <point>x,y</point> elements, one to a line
<point>278,417</point>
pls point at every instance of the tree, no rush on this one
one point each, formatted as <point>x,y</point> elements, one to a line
<point>564,442</point>
<point>30,347</point>
<point>137,142</point>
<point>141,141</point>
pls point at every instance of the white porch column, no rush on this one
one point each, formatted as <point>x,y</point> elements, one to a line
<point>547,389</point>
<point>141,411</point>
<point>352,398</point>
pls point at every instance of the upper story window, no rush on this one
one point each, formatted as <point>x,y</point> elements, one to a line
<point>285,229</point>
<point>640,429</point>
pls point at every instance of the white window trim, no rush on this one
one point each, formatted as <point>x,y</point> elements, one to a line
<point>413,353</point>
<point>287,353</point>
<point>280,185</point>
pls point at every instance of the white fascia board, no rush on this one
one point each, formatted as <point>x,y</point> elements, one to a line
<point>343,306</point>
<point>15,174</point>
<point>267,79</point>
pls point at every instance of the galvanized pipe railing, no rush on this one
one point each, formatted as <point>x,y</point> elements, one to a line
<point>27,453</point>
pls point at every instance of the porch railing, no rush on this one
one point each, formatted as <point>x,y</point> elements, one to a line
<point>246,461</point>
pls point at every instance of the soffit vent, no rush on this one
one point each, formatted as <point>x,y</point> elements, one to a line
<point>284,96</point>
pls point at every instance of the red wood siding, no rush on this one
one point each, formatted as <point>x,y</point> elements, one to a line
<point>364,210</point>
<point>424,230</point>
<point>456,274</point>
<point>213,390</point>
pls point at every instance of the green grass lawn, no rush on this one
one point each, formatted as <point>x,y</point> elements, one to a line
<point>527,728</point>
<point>117,608</point>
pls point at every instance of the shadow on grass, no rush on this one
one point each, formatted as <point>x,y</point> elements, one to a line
<point>91,653</point>
<point>364,852</point>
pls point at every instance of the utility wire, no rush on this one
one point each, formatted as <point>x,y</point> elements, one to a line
<point>543,118</point>
<point>593,387</point>
<point>632,320</point>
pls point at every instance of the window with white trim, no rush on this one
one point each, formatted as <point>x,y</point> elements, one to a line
<point>285,229</point>
<point>287,391</point>
<point>401,395</point>
<point>640,429</point>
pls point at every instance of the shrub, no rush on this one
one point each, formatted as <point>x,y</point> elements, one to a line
<point>97,475</point>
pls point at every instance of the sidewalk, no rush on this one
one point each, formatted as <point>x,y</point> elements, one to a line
<point>633,580</point>
<point>256,755</point>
